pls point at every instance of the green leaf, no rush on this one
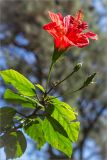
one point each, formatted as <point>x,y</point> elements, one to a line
<point>32,100</point>
<point>6,118</point>
<point>66,116</point>
<point>28,105</point>
<point>56,139</point>
<point>11,96</point>
<point>57,127</point>
<point>64,108</point>
<point>22,84</point>
<point>40,87</point>
<point>14,144</point>
<point>34,130</point>
<point>49,110</point>
<point>21,143</point>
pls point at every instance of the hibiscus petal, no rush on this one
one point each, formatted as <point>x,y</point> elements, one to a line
<point>60,16</point>
<point>67,31</point>
<point>83,25</point>
<point>63,43</point>
<point>78,21</point>
<point>82,41</point>
<point>57,42</point>
<point>91,35</point>
<point>55,17</point>
<point>67,43</point>
<point>66,21</point>
<point>49,26</point>
<point>79,16</point>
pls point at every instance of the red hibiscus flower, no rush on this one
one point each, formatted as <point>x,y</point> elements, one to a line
<point>68,31</point>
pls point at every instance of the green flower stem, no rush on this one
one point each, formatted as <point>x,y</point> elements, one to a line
<point>76,68</point>
<point>60,82</point>
<point>56,55</point>
<point>49,74</point>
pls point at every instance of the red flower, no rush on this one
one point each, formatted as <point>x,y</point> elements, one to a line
<point>68,31</point>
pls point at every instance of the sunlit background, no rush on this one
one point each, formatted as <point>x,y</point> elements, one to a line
<point>27,48</point>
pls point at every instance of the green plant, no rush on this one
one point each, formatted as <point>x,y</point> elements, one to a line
<point>50,120</point>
